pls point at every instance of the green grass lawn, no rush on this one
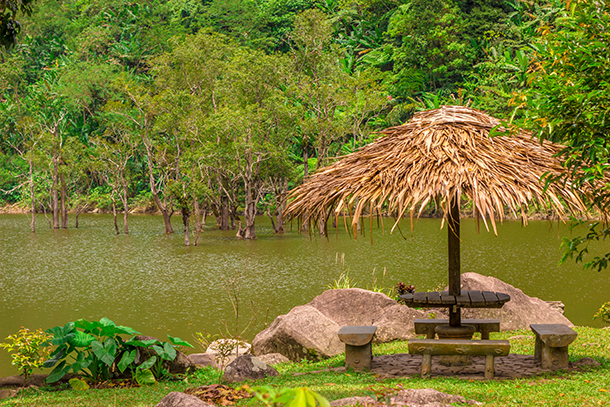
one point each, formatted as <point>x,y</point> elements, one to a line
<point>587,388</point>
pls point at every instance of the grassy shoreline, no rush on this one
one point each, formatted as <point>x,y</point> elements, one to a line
<point>589,387</point>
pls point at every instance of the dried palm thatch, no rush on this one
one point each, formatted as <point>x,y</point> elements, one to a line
<point>443,156</point>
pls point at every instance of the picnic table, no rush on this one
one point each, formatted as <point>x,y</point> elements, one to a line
<point>454,338</point>
<point>466,299</point>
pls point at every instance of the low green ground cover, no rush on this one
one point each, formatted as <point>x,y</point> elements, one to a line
<point>591,387</point>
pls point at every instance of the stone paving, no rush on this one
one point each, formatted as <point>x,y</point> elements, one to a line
<point>507,367</point>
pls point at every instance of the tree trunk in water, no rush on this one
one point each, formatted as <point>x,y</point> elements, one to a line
<point>197,219</point>
<point>224,213</point>
<point>281,206</point>
<point>153,187</point>
<point>249,213</point>
<point>33,204</point>
<point>116,226</point>
<point>185,220</point>
<point>64,209</point>
<point>44,211</point>
<point>125,209</point>
<point>54,196</point>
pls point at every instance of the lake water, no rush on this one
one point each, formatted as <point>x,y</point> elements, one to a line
<point>156,285</point>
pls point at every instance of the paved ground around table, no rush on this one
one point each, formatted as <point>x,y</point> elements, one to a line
<point>507,367</point>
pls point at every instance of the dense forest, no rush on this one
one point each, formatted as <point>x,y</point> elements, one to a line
<point>197,107</point>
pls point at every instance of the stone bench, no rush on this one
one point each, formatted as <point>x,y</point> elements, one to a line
<point>484,326</point>
<point>431,347</point>
<point>552,341</point>
<point>358,349</point>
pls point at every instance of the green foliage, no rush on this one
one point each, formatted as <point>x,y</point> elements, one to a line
<point>344,281</point>
<point>603,313</point>
<point>434,48</point>
<point>568,103</point>
<point>290,397</point>
<point>78,384</point>
<point>9,26</point>
<point>29,350</point>
<point>94,348</point>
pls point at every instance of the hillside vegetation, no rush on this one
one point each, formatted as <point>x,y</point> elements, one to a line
<point>220,107</point>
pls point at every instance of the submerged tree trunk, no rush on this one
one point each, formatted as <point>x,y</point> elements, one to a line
<point>252,190</point>
<point>125,203</point>
<point>281,193</point>
<point>32,198</point>
<point>63,197</point>
<point>116,226</point>
<point>153,187</point>
<point>186,214</point>
<point>198,224</point>
<point>224,212</point>
<point>55,195</point>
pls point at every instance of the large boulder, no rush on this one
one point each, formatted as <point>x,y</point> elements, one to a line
<point>177,399</point>
<point>409,398</point>
<point>225,351</point>
<point>273,358</point>
<point>310,331</point>
<point>518,313</point>
<point>247,367</point>
<point>303,333</point>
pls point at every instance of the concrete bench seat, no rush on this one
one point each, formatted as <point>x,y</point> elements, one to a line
<point>358,348</point>
<point>552,341</point>
<point>431,347</point>
<point>484,326</point>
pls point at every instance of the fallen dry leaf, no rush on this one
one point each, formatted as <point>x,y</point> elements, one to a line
<point>218,394</point>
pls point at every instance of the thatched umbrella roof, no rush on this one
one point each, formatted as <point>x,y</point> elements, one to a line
<point>440,156</point>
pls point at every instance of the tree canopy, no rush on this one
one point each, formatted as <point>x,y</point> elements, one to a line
<point>220,107</point>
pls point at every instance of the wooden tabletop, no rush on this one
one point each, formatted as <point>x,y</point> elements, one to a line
<point>467,299</point>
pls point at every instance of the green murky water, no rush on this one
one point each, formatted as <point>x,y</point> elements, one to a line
<point>154,284</point>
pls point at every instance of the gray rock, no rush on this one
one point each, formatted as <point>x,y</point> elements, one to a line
<point>428,398</point>
<point>273,358</point>
<point>177,399</point>
<point>518,313</point>
<point>200,360</point>
<point>410,398</point>
<point>310,331</point>
<point>354,401</point>
<point>234,346</point>
<point>247,367</point>
<point>303,333</point>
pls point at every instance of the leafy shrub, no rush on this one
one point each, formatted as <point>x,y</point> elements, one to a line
<point>29,350</point>
<point>97,350</point>
<point>297,397</point>
<point>402,288</point>
<point>604,313</point>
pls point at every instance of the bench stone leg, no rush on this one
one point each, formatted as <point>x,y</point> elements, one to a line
<point>555,358</point>
<point>538,350</point>
<point>426,365</point>
<point>358,357</point>
<point>489,367</point>
<point>484,333</point>
<point>551,358</point>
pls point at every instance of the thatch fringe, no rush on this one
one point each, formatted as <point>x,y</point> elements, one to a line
<point>439,156</point>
